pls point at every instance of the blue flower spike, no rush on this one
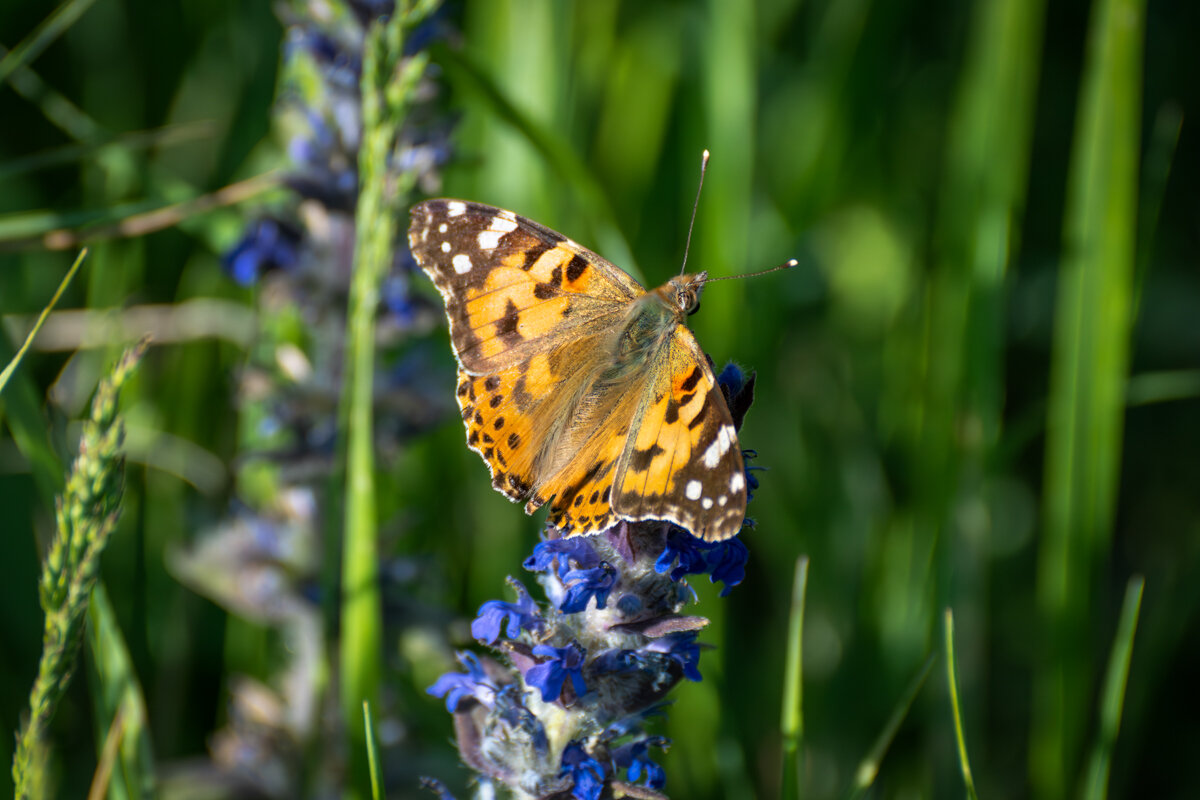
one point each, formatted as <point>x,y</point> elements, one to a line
<point>596,663</point>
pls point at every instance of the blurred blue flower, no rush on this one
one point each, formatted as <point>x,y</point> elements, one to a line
<point>267,244</point>
<point>456,687</point>
<point>437,787</point>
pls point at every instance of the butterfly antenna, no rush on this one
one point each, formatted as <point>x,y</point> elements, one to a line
<point>791,262</point>
<point>696,205</point>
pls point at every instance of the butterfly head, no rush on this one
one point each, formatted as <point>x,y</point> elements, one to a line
<point>687,290</point>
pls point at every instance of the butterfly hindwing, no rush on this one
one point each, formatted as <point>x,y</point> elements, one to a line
<point>682,462</point>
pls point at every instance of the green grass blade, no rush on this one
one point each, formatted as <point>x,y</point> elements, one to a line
<point>868,768</point>
<point>469,78</point>
<point>120,708</point>
<point>1087,385</point>
<point>43,36</point>
<point>792,723</point>
<point>62,287</point>
<point>372,752</point>
<point>384,87</point>
<point>952,683</point>
<point>1160,153</point>
<point>1112,696</point>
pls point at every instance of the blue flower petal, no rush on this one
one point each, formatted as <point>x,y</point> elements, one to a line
<point>584,584</point>
<point>587,772</point>
<point>548,676</point>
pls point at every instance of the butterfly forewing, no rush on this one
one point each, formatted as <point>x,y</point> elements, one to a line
<point>512,287</point>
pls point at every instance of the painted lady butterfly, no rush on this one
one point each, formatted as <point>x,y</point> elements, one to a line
<point>578,387</point>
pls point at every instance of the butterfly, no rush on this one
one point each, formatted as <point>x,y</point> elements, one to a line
<point>578,387</point>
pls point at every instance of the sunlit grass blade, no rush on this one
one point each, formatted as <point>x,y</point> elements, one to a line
<point>372,752</point>
<point>792,723</point>
<point>1112,696</point>
<point>868,768</point>
<point>952,683</point>
<point>119,706</point>
<point>386,85</point>
<point>1088,376</point>
<point>43,36</point>
<point>470,78</point>
<point>62,287</point>
<point>730,113</point>
<point>87,514</point>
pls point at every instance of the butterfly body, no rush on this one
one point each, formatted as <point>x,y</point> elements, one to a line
<point>579,388</point>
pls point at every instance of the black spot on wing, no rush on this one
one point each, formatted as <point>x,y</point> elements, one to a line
<point>506,326</point>
<point>575,268</point>
<point>532,254</point>
<point>640,460</point>
<point>691,381</point>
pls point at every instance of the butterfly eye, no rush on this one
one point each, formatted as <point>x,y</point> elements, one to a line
<point>688,300</point>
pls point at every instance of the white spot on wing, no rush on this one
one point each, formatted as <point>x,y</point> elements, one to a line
<point>737,482</point>
<point>445,247</point>
<point>503,223</point>
<point>455,208</point>
<point>693,490</point>
<point>707,503</point>
<point>719,447</point>
<point>489,239</point>
<point>722,500</point>
<point>443,228</point>
<point>462,264</point>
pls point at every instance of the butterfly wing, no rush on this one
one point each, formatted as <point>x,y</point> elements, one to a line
<point>512,288</point>
<point>528,311</point>
<point>682,461</point>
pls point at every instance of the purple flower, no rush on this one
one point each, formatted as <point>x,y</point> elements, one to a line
<point>587,772</point>
<point>549,675</point>
<point>682,649</point>
<point>633,757</point>
<point>584,584</point>
<point>559,553</point>
<point>455,686</point>
<point>267,244</point>
<point>723,561</point>
<point>494,614</point>
<point>738,388</point>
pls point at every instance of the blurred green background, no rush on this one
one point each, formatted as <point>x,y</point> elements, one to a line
<point>980,389</point>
